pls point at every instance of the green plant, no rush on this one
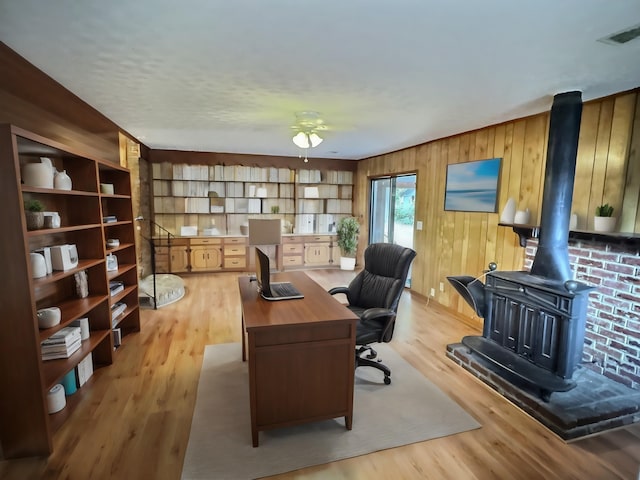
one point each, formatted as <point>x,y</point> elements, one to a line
<point>275,209</point>
<point>605,210</point>
<point>32,205</point>
<point>348,230</point>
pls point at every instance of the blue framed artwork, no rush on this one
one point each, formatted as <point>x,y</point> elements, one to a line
<point>473,186</point>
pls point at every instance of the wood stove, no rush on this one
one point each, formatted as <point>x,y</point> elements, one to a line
<point>534,323</point>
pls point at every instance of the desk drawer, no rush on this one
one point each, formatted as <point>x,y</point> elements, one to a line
<point>304,333</point>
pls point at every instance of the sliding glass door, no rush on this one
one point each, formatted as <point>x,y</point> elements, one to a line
<point>392,207</point>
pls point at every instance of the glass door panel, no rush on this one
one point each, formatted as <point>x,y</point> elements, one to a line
<point>393,201</point>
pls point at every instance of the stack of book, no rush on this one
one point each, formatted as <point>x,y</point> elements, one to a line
<point>61,344</point>
<point>116,287</point>
<point>116,311</point>
<point>109,219</point>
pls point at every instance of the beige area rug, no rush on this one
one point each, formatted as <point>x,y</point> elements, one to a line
<point>409,410</point>
<point>169,289</point>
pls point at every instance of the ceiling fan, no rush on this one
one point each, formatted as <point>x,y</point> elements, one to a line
<point>307,126</point>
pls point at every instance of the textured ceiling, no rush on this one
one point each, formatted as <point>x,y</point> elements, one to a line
<point>229,76</point>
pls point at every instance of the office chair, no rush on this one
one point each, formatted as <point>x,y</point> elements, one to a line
<point>373,295</point>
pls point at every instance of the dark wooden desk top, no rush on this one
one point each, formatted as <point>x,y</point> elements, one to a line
<point>317,306</point>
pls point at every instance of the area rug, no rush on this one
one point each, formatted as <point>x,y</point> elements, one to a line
<point>169,289</point>
<point>409,410</point>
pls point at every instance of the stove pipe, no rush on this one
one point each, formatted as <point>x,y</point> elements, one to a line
<point>552,257</point>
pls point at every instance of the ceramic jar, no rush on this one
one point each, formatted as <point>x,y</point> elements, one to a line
<point>62,181</point>
<point>37,175</point>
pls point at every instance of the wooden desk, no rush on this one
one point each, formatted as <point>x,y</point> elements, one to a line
<point>301,355</point>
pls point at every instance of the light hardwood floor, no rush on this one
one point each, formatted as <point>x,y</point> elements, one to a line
<point>135,418</point>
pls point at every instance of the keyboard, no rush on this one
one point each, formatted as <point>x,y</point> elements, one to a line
<point>284,289</point>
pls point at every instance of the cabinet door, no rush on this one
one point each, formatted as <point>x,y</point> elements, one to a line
<point>179,259</point>
<point>317,254</point>
<point>214,258</point>
<point>205,258</point>
<point>198,258</point>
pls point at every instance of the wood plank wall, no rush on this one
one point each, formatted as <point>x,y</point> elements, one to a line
<point>34,101</point>
<point>457,243</point>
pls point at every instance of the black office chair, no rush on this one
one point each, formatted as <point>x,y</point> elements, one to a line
<point>373,295</point>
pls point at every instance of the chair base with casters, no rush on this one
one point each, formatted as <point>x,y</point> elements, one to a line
<point>370,360</point>
<point>373,295</point>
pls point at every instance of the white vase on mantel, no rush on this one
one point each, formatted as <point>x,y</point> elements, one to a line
<point>509,212</point>
<point>604,224</point>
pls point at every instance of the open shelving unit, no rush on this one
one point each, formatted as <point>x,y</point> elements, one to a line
<point>224,197</point>
<point>27,427</point>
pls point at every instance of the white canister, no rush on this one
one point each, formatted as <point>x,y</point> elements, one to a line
<point>38,265</point>
<point>46,253</point>
<point>522,217</point>
<point>37,175</point>
<point>56,400</point>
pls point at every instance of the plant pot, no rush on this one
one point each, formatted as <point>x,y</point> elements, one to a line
<point>347,263</point>
<point>35,220</point>
<point>604,224</point>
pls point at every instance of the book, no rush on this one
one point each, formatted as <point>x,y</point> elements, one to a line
<point>116,287</point>
<point>61,344</point>
<point>84,370</point>
<point>116,310</point>
<point>64,336</point>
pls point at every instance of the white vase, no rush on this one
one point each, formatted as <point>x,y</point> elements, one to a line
<point>604,224</point>
<point>62,181</point>
<point>347,263</point>
<point>509,212</point>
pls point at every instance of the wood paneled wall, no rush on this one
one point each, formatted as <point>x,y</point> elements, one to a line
<point>457,243</point>
<point>34,101</point>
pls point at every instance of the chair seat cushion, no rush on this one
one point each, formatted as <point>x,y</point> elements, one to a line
<point>368,332</point>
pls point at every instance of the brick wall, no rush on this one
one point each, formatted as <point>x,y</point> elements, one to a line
<point>612,339</point>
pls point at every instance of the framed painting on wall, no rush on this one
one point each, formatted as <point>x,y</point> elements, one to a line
<point>473,186</point>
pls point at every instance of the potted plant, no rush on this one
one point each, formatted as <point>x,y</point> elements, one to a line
<point>34,214</point>
<point>604,221</point>
<point>348,230</point>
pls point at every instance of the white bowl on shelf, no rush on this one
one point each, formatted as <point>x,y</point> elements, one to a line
<point>113,243</point>
<point>48,317</point>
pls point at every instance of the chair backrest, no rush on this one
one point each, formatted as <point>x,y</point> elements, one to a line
<point>381,282</point>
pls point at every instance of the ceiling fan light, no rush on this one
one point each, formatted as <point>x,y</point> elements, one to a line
<point>315,139</point>
<point>301,139</point>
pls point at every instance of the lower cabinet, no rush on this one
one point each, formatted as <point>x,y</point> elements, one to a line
<point>299,251</point>
<point>211,254</point>
<point>206,254</point>
<point>205,258</point>
<point>317,254</point>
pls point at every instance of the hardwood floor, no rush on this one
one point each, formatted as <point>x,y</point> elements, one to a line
<point>135,417</point>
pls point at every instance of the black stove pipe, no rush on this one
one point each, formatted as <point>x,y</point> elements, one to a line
<point>552,256</point>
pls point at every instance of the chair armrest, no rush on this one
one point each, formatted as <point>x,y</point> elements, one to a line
<point>335,290</point>
<point>376,312</point>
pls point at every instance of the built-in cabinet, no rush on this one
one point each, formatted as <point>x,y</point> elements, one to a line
<point>88,216</point>
<point>232,253</point>
<point>200,254</point>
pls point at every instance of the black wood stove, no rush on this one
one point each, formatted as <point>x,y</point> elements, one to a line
<point>534,323</point>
